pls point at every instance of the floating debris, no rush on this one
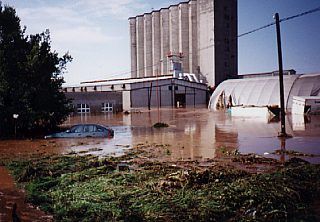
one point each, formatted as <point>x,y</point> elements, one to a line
<point>160,125</point>
<point>95,149</point>
<point>293,153</point>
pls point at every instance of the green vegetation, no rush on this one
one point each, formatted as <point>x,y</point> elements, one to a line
<point>31,99</point>
<point>73,187</point>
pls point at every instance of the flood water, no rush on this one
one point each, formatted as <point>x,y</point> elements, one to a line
<point>202,134</point>
<point>193,134</point>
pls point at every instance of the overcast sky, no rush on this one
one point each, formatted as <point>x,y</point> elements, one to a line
<point>96,33</point>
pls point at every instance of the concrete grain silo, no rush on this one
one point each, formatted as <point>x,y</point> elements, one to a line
<point>174,29</point>
<point>133,46</point>
<point>165,39</point>
<point>203,33</point>
<point>148,45</point>
<point>193,37</point>
<point>184,35</point>
<point>156,43</point>
<point>140,46</point>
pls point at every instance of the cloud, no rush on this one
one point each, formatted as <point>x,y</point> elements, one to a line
<point>95,32</point>
<point>67,25</point>
<point>52,14</point>
<point>82,35</point>
<point>120,9</point>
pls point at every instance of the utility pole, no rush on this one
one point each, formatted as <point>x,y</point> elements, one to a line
<point>158,104</point>
<point>282,109</point>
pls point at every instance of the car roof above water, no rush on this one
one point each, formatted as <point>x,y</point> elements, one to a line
<point>89,124</point>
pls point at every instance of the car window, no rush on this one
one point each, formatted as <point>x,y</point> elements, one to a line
<point>76,129</point>
<point>100,129</point>
<point>89,128</point>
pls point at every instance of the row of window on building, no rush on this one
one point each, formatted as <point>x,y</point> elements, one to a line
<point>85,108</point>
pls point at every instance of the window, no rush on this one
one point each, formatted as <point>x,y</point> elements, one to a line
<point>89,128</point>
<point>100,129</point>
<point>83,108</point>
<point>76,129</point>
<point>107,108</point>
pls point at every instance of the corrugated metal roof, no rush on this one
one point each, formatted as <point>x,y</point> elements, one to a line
<point>117,81</point>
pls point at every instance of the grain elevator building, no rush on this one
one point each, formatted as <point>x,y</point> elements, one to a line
<point>196,36</point>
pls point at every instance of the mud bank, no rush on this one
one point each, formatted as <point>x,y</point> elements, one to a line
<point>10,195</point>
<point>146,185</point>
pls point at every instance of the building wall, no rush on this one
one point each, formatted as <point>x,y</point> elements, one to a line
<point>95,100</point>
<point>226,42</point>
<point>138,94</point>
<point>165,94</point>
<point>205,31</point>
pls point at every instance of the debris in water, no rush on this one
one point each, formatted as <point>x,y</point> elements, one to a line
<point>160,125</point>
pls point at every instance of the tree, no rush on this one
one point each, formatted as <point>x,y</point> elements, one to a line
<point>30,78</point>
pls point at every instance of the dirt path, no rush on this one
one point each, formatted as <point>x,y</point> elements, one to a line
<point>9,195</point>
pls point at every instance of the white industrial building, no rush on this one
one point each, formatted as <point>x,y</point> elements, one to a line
<point>201,33</point>
<point>264,92</point>
<point>126,94</point>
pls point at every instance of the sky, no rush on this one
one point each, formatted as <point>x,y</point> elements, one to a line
<point>96,34</point>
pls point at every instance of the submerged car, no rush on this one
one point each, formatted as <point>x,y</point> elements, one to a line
<point>84,130</point>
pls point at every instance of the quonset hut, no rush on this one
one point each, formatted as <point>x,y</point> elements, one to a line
<point>264,91</point>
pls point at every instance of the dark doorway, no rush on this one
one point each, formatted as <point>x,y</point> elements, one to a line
<point>180,100</point>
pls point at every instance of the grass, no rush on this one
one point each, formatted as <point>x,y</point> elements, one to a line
<point>76,187</point>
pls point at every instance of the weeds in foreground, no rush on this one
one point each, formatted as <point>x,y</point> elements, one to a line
<point>73,187</point>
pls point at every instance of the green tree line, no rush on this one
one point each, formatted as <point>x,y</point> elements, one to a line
<point>31,97</point>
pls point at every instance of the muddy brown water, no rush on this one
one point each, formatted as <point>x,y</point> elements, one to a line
<point>193,134</point>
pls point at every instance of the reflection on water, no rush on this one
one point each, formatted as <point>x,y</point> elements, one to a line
<point>201,134</point>
<point>192,134</point>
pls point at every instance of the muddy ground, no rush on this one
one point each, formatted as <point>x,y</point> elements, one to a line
<point>146,185</point>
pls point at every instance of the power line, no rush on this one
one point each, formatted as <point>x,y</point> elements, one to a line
<point>301,14</point>
<point>255,30</point>
<point>281,20</point>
